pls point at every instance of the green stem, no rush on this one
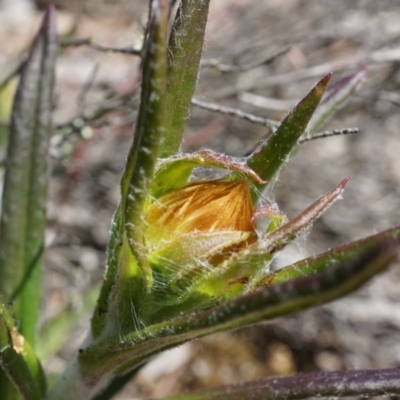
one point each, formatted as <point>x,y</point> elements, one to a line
<point>184,53</point>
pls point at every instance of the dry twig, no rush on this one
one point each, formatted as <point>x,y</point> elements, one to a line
<point>107,49</point>
<point>215,63</point>
<point>234,112</point>
<point>326,134</point>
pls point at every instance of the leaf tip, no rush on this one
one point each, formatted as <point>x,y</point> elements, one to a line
<point>48,28</point>
<point>323,83</point>
<point>49,16</point>
<point>344,182</point>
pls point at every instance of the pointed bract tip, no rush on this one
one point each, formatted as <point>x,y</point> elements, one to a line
<point>324,81</point>
<point>48,23</point>
<point>344,182</point>
<point>319,89</point>
<point>50,11</point>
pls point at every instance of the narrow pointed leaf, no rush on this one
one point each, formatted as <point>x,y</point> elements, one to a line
<point>272,155</point>
<point>289,231</point>
<point>336,97</point>
<point>184,53</point>
<point>23,215</point>
<point>332,384</point>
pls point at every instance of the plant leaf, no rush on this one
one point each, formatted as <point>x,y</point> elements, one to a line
<point>184,53</point>
<point>265,303</point>
<point>360,383</point>
<point>24,198</point>
<point>273,154</point>
<point>289,231</point>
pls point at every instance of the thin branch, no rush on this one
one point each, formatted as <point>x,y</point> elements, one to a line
<point>382,56</point>
<point>321,135</point>
<point>234,112</point>
<point>15,68</point>
<point>325,134</point>
<point>88,42</point>
<point>267,122</point>
<point>375,382</point>
<point>215,63</point>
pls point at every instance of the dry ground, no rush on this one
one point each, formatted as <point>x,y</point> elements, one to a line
<point>360,331</point>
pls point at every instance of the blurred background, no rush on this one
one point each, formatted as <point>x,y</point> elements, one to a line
<point>95,108</point>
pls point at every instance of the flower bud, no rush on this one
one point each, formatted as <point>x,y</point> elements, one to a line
<point>202,207</point>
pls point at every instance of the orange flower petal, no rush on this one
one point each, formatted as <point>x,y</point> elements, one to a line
<point>205,206</point>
